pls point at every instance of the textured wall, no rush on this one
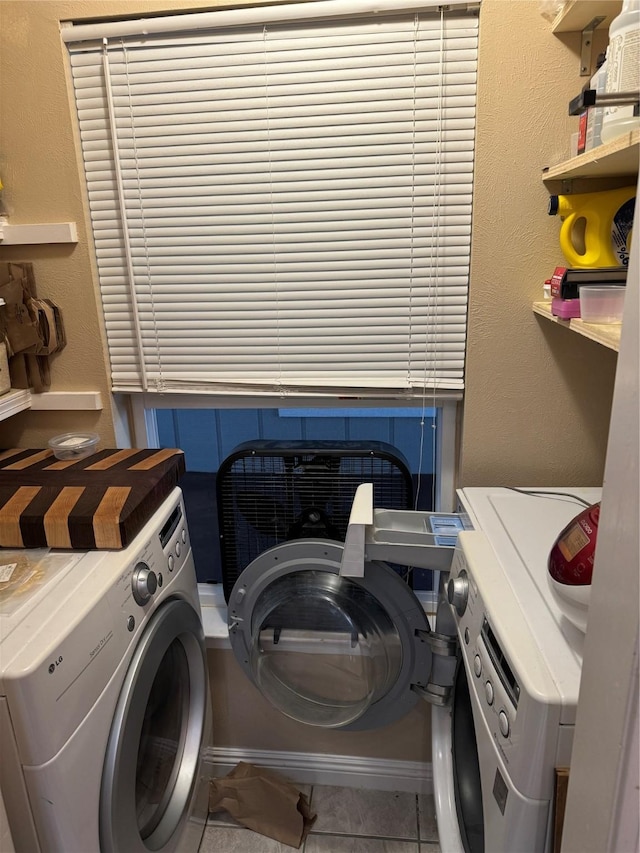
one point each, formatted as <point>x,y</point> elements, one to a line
<point>242,716</point>
<point>537,398</point>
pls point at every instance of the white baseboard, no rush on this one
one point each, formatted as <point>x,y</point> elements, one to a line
<point>349,771</point>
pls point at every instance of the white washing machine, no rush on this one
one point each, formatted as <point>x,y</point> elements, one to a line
<point>104,698</point>
<point>354,650</point>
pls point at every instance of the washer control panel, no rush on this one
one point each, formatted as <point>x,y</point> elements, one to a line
<point>173,538</point>
<point>167,553</point>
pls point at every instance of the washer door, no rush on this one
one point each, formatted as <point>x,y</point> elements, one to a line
<point>152,764</point>
<point>328,650</point>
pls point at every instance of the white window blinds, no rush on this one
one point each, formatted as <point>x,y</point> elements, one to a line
<point>281,207</point>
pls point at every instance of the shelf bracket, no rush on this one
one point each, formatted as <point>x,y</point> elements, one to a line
<point>586,45</point>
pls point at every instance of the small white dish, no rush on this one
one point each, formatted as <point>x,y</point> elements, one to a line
<point>74,445</point>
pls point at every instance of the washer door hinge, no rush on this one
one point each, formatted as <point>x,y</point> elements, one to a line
<point>444,661</point>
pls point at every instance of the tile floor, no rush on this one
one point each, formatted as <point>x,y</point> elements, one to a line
<point>349,821</point>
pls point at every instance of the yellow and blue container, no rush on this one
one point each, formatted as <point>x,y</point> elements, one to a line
<point>596,227</point>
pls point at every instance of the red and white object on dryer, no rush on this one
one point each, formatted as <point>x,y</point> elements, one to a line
<point>571,565</point>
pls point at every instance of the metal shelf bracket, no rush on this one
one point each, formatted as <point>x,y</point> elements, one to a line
<point>586,45</point>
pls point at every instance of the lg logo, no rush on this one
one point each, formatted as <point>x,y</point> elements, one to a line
<point>56,663</point>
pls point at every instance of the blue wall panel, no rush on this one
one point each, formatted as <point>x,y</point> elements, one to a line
<point>369,429</point>
<point>197,436</point>
<point>278,428</point>
<point>208,436</point>
<point>166,427</point>
<point>234,427</point>
<point>325,429</point>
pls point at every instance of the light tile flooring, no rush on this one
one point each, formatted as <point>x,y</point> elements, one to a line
<point>349,821</point>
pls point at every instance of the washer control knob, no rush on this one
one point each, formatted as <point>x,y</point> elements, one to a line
<point>458,592</point>
<point>144,583</point>
<point>477,666</point>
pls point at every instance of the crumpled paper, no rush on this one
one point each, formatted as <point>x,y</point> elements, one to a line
<point>265,802</point>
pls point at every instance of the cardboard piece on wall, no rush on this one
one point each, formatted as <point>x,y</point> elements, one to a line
<point>265,802</point>
<point>32,327</point>
<point>19,326</point>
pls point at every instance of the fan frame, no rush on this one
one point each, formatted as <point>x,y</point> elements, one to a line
<point>290,450</point>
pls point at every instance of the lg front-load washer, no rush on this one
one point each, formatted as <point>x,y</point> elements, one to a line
<point>355,651</point>
<point>104,699</point>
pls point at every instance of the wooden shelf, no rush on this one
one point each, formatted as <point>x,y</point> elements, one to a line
<point>575,15</point>
<point>619,157</point>
<point>31,235</point>
<point>18,399</point>
<point>14,401</point>
<point>607,335</point>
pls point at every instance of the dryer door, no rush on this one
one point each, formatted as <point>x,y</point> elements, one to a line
<point>152,765</point>
<point>330,651</point>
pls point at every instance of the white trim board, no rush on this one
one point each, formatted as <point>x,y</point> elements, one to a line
<point>312,768</point>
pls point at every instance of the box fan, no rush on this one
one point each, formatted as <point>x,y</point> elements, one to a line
<point>270,492</point>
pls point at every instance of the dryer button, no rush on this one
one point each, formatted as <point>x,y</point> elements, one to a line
<point>488,692</point>
<point>178,549</point>
<point>170,562</point>
<point>467,636</point>
<point>184,536</point>
<point>477,666</point>
<point>503,722</point>
<point>131,623</point>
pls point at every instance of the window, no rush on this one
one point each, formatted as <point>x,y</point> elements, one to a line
<point>281,197</point>
<point>416,436</point>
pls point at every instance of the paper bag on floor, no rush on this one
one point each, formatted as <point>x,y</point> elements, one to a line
<point>265,802</point>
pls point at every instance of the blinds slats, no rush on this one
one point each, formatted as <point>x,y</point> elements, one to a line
<point>285,206</point>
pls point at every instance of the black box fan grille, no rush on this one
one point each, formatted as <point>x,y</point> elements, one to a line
<point>274,491</point>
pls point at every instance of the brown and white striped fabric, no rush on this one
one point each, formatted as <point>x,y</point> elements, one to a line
<point>101,501</point>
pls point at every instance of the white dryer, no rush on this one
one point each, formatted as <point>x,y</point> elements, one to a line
<point>354,650</point>
<point>104,700</point>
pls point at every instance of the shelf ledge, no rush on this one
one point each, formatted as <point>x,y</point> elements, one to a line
<point>619,157</point>
<point>14,401</point>
<point>67,401</point>
<point>607,335</point>
<point>31,235</point>
<point>575,15</point>
<point>18,399</point>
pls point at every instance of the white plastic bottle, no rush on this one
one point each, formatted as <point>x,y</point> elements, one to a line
<point>623,69</point>
<point>596,114</point>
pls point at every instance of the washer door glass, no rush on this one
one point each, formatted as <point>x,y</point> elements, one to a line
<point>162,738</point>
<point>327,650</point>
<point>323,649</point>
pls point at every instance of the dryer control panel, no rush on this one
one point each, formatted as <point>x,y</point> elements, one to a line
<point>509,682</point>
